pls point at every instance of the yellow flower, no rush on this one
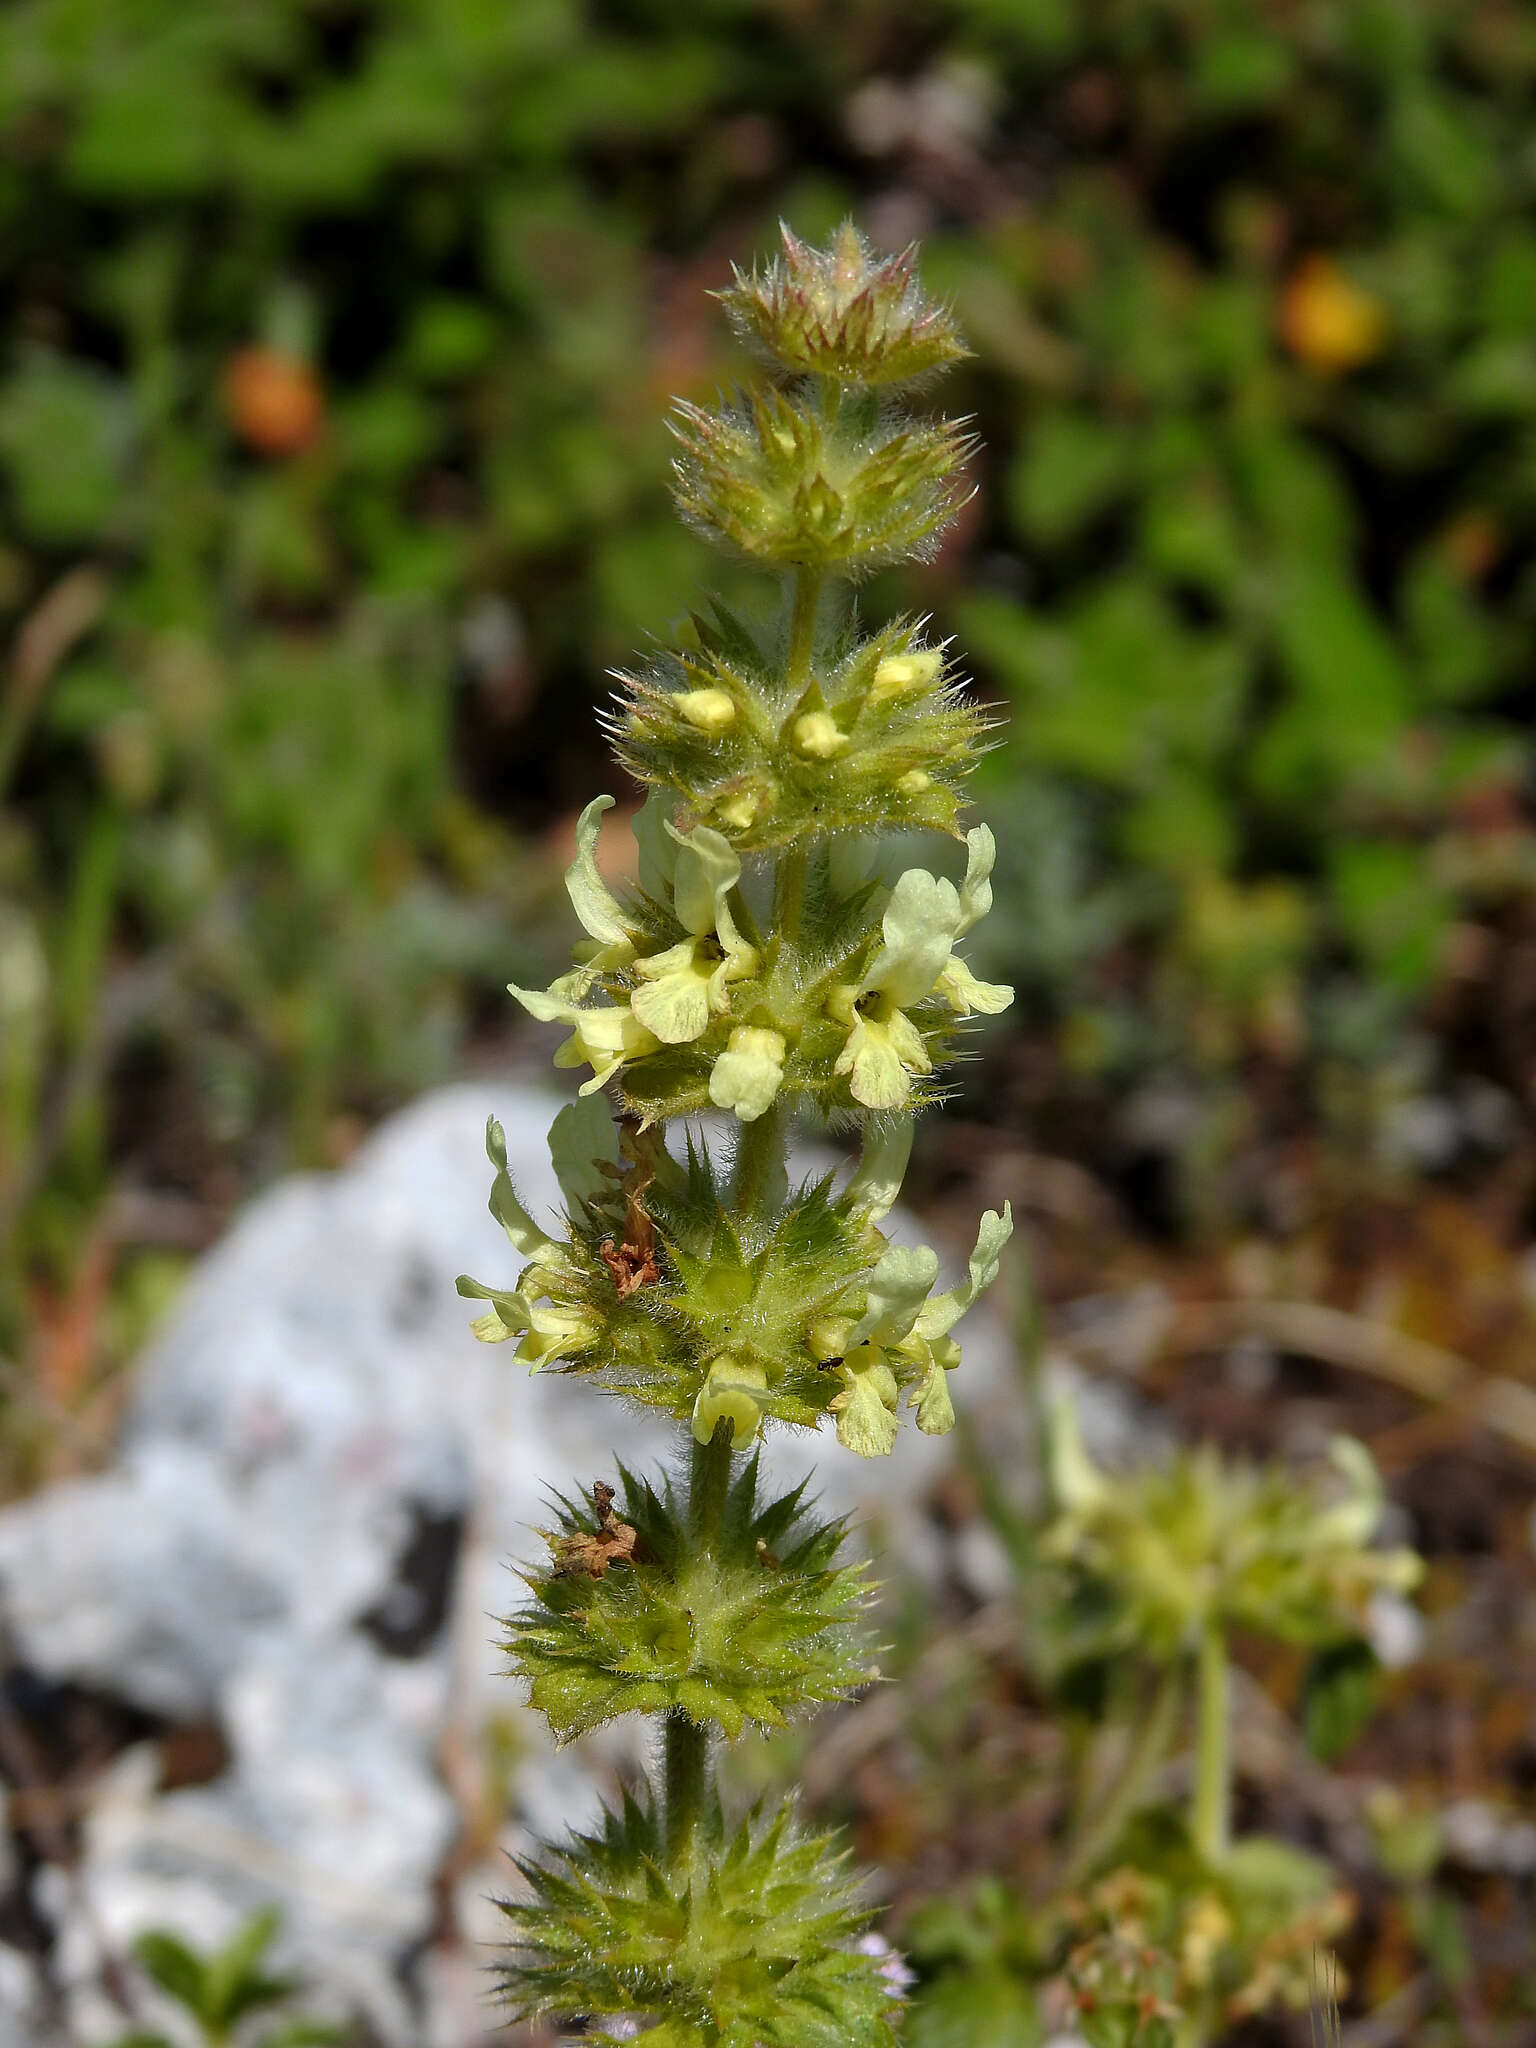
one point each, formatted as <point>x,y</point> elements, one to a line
<point>708,710</point>
<point>747,1075</point>
<point>899,675</point>
<point>600,1039</point>
<point>685,986</point>
<point>884,1049</point>
<point>902,1340</point>
<point>730,1393</point>
<point>816,735</point>
<point>682,987</point>
<point>1327,321</point>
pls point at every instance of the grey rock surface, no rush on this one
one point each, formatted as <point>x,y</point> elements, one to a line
<point>313,1420</point>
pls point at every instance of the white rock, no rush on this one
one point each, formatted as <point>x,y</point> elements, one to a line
<point>1396,1630</point>
<point>21,2000</point>
<point>316,1395</point>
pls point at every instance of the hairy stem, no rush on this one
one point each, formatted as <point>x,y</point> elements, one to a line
<point>760,1182</point>
<point>802,628</point>
<point>788,897</point>
<point>709,1481</point>
<point>685,1779</point>
<point>1211,1808</point>
<point>685,1745</point>
<point>789,871</point>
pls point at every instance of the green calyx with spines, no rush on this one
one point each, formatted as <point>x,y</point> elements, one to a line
<point>794,482</point>
<point>736,1940</point>
<point>668,1294</point>
<point>840,313</point>
<point>879,739</point>
<point>1155,1559</point>
<point>764,963</point>
<point>753,1627</point>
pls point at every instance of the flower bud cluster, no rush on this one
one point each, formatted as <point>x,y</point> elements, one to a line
<point>1154,1963</point>
<point>878,739</point>
<point>793,484</point>
<point>837,312</point>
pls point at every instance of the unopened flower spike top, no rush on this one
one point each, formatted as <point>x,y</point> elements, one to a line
<point>762,968</point>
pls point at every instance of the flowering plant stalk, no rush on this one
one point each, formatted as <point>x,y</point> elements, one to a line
<point>760,968</point>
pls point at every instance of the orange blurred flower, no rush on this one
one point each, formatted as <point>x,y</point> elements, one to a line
<point>274,401</point>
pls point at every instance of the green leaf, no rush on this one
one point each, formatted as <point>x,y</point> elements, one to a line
<point>582,1138</point>
<point>1183,827</point>
<point>1442,148</point>
<point>1190,534</point>
<point>1393,908</point>
<point>509,1212</point>
<point>1351,701</point>
<point>1338,1697</point>
<point>657,844</point>
<point>1496,378</point>
<point>449,338</point>
<point>591,898</point>
<point>1439,1922</point>
<point>1241,71</point>
<point>177,1969</point>
<point>1275,1875</point>
<point>233,1979</point>
<point>65,437</point>
<point>984,2007</point>
<point>1074,466</point>
<point>1455,642</point>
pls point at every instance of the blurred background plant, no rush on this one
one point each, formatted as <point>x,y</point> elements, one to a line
<point>332,479</point>
<point>228,1995</point>
<point>332,390</point>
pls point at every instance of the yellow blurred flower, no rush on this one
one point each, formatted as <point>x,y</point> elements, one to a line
<point>1327,321</point>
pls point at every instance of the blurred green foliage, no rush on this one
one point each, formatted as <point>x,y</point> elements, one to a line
<point>222,1991</point>
<point>332,474</point>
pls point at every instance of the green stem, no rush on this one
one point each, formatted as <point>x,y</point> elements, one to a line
<point>685,1779</point>
<point>709,1481</point>
<point>802,629</point>
<point>1211,1807</point>
<point>761,1178</point>
<point>1149,1746</point>
<point>685,1746</point>
<point>789,896</point>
